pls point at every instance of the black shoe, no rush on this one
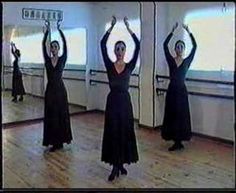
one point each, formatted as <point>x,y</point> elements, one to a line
<point>60,146</point>
<point>14,99</point>
<point>181,146</point>
<point>123,171</point>
<point>56,147</point>
<point>114,173</point>
<point>176,146</point>
<point>53,148</point>
<point>21,98</point>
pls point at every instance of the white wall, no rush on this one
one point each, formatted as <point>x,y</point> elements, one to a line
<point>77,91</point>
<point>160,66</point>
<point>209,116</point>
<point>147,64</point>
<point>74,13</point>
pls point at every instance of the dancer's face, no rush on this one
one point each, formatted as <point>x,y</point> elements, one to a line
<point>179,48</point>
<point>120,50</point>
<point>55,48</point>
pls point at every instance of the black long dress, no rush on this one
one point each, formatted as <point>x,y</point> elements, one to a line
<point>17,82</point>
<point>57,127</point>
<point>119,140</point>
<point>177,124</point>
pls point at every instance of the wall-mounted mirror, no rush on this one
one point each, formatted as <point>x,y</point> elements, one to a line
<point>28,39</point>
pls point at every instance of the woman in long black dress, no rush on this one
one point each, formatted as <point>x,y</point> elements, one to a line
<point>119,141</point>
<point>17,82</point>
<point>57,127</point>
<point>177,123</point>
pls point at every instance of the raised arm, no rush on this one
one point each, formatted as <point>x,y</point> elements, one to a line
<point>169,57</point>
<point>133,61</point>
<point>194,44</point>
<point>103,44</point>
<point>64,55</point>
<point>13,49</point>
<point>165,46</point>
<point>45,54</point>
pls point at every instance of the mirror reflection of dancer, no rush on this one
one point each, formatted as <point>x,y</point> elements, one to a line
<point>119,141</point>
<point>177,123</point>
<point>57,127</point>
<point>17,82</point>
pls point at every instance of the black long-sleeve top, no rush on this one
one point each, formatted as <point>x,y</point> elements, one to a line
<point>119,81</point>
<point>178,73</point>
<point>54,73</point>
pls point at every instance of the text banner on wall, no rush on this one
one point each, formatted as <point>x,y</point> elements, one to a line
<point>41,14</point>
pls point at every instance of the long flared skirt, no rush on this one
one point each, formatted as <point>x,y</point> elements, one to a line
<point>176,124</point>
<point>17,84</point>
<point>119,140</point>
<point>57,127</point>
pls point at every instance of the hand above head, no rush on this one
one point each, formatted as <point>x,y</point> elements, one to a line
<point>127,25</point>
<point>59,24</point>
<point>126,22</point>
<point>113,22</point>
<point>12,44</point>
<point>186,28</point>
<point>47,24</point>
<point>174,27</point>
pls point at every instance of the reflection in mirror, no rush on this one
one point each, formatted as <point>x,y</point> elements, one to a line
<point>28,39</point>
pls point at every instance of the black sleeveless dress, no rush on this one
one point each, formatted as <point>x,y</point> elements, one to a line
<point>119,141</point>
<point>57,127</point>
<point>177,123</point>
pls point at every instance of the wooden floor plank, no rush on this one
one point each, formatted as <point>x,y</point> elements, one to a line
<point>203,163</point>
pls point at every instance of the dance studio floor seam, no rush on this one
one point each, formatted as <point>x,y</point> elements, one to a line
<point>37,120</point>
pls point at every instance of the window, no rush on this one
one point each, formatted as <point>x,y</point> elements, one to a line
<point>76,45</point>
<point>30,47</point>
<point>214,32</point>
<point>120,32</point>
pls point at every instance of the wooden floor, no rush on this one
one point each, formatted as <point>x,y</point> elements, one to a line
<point>30,108</point>
<point>26,164</point>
